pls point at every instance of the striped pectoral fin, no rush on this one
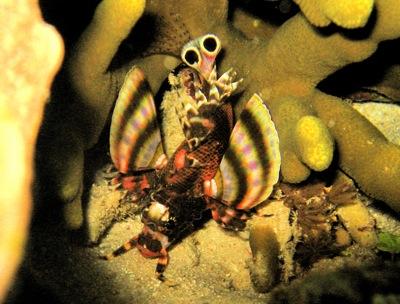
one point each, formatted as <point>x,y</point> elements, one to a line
<point>250,167</point>
<point>134,134</point>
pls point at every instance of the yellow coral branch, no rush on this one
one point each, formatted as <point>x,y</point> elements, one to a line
<point>30,55</point>
<point>345,13</point>
<point>364,153</point>
<point>314,143</point>
<point>94,51</point>
<point>313,56</point>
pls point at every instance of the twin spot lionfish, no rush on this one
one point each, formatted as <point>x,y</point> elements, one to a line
<point>220,166</point>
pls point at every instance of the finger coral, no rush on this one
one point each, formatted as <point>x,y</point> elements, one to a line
<point>356,139</point>
<point>347,14</point>
<point>314,143</point>
<point>31,53</point>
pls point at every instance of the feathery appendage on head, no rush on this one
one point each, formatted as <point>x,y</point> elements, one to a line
<point>201,53</point>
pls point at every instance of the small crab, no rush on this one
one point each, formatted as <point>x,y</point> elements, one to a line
<point>220,166</point>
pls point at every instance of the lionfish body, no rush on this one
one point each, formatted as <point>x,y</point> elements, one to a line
<point>219,166</point>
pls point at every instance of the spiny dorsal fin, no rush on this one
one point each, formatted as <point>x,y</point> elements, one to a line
<point>250,166</point>
<point>134,134</point>
<point>196,117</point>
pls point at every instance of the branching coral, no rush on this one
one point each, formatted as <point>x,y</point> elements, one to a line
<point>363,152</point>
<point>347,14</point>
<point>265,250</point>
<point>285,69</point>
<point>31,53</point>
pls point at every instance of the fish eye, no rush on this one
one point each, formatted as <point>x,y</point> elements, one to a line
<point>191,57</point>
<point>211,44</point>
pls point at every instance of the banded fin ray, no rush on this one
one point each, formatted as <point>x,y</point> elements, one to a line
<point>250,167</point>
<point>134,133</point>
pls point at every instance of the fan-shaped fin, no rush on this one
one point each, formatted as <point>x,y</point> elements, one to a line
<point>250,166</point>
<point>134,134</point>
